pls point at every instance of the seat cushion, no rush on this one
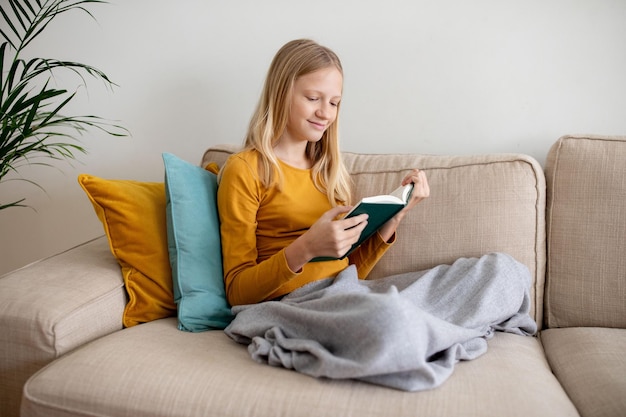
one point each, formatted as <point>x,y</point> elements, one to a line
<point>156,370</point>
<point>590,363</point>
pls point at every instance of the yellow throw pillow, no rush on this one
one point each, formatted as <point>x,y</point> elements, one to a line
<point>133,216</point>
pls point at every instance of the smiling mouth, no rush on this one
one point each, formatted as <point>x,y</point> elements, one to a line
<point>318,125</point>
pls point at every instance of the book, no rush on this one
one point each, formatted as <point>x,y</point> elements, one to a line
<point>380,209</point>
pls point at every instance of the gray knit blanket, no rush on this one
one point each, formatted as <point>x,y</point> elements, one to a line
<point>405,331</point>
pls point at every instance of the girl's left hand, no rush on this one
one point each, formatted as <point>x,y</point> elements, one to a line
<point>421,190</point>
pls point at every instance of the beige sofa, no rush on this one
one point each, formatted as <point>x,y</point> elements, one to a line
<point>64,352</point>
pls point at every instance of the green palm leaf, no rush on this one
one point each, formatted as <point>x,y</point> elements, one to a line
<point>32,123</point>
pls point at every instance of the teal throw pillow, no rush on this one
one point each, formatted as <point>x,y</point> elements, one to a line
<point>195,251</point>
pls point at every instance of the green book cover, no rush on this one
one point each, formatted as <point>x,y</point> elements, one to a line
<point>380,209</point>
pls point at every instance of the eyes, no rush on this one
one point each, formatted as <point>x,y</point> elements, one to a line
<point>333,103</point>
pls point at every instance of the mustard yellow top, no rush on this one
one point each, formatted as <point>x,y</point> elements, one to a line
<point>257,224</point>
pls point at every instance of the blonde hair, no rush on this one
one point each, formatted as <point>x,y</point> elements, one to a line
<point>269,121</point>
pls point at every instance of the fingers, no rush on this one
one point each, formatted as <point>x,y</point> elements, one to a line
<point>418,178</point>
<point>349,232</point>
<point>333,235</point>
<point>345,223</point>
<point>412,177</point>
<point>415,176</point>
<point>335,212</point>
<point>351,222</point>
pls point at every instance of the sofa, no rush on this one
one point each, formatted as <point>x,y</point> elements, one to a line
<point>66,349</point>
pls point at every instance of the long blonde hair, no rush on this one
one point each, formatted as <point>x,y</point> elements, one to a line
<point>295,59</point>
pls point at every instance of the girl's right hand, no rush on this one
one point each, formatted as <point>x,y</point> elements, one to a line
<point>328,236</point>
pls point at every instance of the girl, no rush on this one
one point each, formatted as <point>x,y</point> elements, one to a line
<point>281,203</point>
<point>281,199</point>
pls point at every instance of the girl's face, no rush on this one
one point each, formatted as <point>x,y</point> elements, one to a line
<point>314,105</point>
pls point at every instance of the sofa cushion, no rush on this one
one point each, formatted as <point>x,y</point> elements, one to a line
<point>591,365</point>
<point>133,216</point>
<point>586,226</point>
<point>155,370</point>
<point>193,236</point>
<point>478,204</point>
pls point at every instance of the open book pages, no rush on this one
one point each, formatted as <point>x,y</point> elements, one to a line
<point>400,195</point>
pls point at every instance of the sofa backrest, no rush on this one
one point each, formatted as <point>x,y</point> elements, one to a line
<point>478,204</point>
<point>586,229</point>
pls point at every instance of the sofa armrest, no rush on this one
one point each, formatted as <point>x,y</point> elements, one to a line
<point>53,306</point>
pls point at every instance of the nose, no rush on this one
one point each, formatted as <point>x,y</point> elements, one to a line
<point>324,111</point>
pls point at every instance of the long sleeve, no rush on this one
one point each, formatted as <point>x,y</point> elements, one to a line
<point>239,199</point>
<point>257,224</point>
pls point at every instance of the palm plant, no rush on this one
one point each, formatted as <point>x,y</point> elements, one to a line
<point>32,124</point>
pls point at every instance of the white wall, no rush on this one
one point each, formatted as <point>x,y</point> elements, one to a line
<point>447,77</point>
